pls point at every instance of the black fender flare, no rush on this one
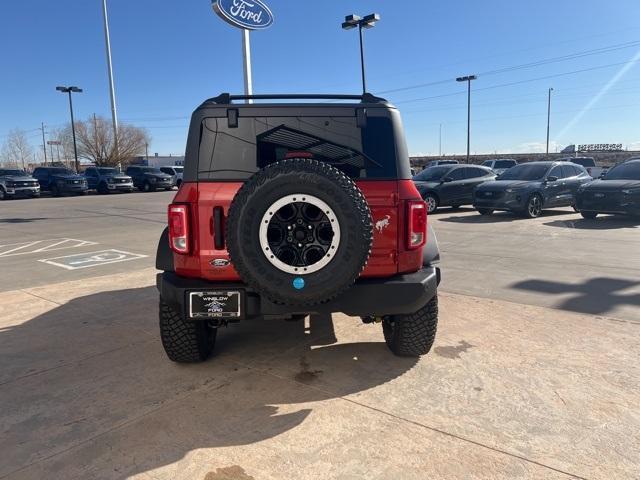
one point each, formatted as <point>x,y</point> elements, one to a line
<point>431,251</point>
<point>164,255</point>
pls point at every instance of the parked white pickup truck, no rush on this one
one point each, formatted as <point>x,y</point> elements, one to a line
<point>589,164</point>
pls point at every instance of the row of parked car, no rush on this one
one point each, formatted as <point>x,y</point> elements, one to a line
<point>529,188</point>
<point>62,181</point>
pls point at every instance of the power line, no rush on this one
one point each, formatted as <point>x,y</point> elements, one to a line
<point>563,58</point>
<point>519,82</point>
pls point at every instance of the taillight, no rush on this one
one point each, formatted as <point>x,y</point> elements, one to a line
<point>179,228</point>
<point>417,232</point>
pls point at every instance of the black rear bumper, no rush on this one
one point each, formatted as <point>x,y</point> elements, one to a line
<point>388,296</point>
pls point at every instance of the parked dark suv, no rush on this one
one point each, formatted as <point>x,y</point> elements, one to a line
<point>108,179</point>
<point>289,209</point>
<point>149,179</point>
<point>450,185</point>
<point>17,183</point>
<point>529,188</point>
<point>60,181</point>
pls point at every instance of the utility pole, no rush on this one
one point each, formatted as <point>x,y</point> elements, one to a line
<point>548,117</point>
<point>44,144</point>
<point>112,91</point>
<point>440,142</point>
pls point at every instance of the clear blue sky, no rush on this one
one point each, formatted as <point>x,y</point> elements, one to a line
<point>170,55</point>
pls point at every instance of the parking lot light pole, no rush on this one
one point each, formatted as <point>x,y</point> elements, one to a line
<point>548,117</point>
<point>71,90</point>
<point>369,21</point>
<point>468,79</point>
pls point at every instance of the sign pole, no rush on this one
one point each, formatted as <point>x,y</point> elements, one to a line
<point>246,57</point>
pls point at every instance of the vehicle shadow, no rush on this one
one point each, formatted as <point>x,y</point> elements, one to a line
<point>497,217</point>
<point>595,296</point>
<point>94,368</point>
<point>22,220</point>
<point>605,222</point>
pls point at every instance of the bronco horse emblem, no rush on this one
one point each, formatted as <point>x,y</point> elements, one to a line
<point>382,224</point>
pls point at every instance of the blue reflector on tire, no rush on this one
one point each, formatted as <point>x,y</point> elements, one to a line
<point>298,283</point>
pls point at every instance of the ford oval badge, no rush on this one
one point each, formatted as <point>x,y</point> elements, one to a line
<point>219,262</point>
<point>247,14</point>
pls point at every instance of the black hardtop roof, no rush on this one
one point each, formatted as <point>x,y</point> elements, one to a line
<point>365,99</point>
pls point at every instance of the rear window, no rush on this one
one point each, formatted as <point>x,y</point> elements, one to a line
<point>504,163</point>
<point>236,153</point>
<point>585,162</point>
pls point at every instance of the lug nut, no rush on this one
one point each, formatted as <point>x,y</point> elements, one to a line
<point>289,239</point>
<point>299,221</point>
<point>309,239</point>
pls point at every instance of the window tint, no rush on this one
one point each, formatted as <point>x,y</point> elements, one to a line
<point>236,153</point>
<point>556,172</point>
<point>166,170</point>
<point>525,172</point>
<point>584,161</point>
<point>624,171</point>
<point>431,174</point>
<point>568,171</point>
<point>472,172</point>
<point>487,163</point>
<point>504,163</point>
<point>457,174</point>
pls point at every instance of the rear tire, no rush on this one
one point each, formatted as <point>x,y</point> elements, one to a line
<point>3,196</point>
<point>185,341</point>
<point>412,335</point>
<point>54,191</point>
<point>589,215</point>
<point>102,188</point>
<point>485,211</point>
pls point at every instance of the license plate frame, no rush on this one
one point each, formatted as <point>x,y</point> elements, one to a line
<point>226,304</point>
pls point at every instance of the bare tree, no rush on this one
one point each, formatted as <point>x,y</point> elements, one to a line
<point>17,150</point>
<point>94,138</point>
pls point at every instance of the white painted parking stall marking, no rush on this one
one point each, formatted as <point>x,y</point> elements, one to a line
<point>39,246</point>
<point>92,259</point>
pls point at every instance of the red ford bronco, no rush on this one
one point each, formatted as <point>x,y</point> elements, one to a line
<point>296,207</point>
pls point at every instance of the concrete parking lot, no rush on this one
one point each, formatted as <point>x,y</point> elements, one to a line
<point>534,374</point>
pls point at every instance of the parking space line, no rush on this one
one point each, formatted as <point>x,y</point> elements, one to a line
<point>24,248</point>
<point>92,259</point>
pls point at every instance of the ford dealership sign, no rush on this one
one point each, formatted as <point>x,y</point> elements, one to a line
<point>247,14</point>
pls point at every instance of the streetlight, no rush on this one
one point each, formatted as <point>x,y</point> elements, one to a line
<point>548,117</point>
<point>468,79</point>
<point>112,90</point>
<point>71,90</point>
<point>353,21</point>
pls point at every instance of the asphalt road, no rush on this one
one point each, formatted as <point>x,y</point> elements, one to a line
<point>558,260</point>
<point>70,226</point>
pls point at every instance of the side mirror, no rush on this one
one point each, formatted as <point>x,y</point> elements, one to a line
<point>552,179</point>
<point>603,174</point>
<point>447,180</point>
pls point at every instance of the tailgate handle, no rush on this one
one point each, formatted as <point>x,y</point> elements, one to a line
<point>218,236</point>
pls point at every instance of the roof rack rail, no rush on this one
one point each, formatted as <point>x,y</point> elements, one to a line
<point>226,98</point>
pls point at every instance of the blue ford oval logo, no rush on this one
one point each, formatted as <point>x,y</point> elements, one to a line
<point>249,14</point>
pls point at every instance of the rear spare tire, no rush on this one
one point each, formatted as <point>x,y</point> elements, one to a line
<point>299,232</point>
